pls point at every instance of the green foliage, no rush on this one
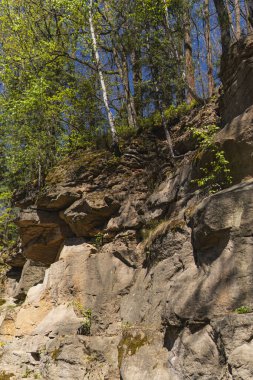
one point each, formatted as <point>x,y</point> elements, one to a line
<point>8,229</point>
<point>49,107</point>
<point>87,316</point>
<point>174,113</point>
<point>99,239</point>
<point>215,174</point>
<point>50,101</point>
<point>243,310</point>
<point>73,142</point>
<point>125,132</point>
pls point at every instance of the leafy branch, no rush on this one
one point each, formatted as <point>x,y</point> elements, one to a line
<point>215,174</point>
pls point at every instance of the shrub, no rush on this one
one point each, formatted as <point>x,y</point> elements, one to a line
<point>8,229</point>
<point>84,329</point>
<point>99,239</point>
<point>215,174</point>
<point>173,113</point>
<point>243,310</point>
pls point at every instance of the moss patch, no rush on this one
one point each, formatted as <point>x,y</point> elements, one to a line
<point>89,161</point>
<point>6,376</point>
<point>56,353</point>
<point>2,301</point>
<point>130,344</point>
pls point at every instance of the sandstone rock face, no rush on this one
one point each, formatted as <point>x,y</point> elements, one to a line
<point>237,141</point>
<point>42,234</point>
<point>131,274</point>
<point>87,216</point>
<point>32,274</point>
<point>236,75</point>
<point>58,200</point>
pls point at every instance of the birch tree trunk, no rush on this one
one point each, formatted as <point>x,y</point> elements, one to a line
<point>115,141</point>
<point>208,49</point>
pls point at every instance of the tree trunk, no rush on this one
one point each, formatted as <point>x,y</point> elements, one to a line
<point>208,49</point>
<point>160,108</point>
<point>250,8</point>
<point>189,67</point>
<point>238,19</point>
<point>124,76</point>
<point>246,9</point>
<point>115,141</point>
<point>137,80</point>
<point>230,18</point>
<point>178,55</point>
<point>166,132</point>
<point>224,23</point>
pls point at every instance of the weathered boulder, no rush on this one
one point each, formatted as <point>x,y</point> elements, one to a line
<point>220,280</point>
<point>128,218</point>
<point>88,216</point>
<point>83,278</point>
<point>126,248</point>
<point>194,353</point>
<point>221,216</point>
<point>32,274</point>
<point>145,361</point>
<point>167,252</point>
<point>58,199</point>
<point>54,322</point>
<point>233,330</point>
<point>92,280</point>
<point>236,76</point>
<point>241,362</point>
<point>236,139</point>
<point>42,234</point>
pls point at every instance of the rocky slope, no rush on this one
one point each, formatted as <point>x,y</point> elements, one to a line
<point>129,272</point>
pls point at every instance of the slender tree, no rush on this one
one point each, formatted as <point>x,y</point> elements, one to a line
<point>224,23</point>
<point>189,65</point>
<point>102,81</point>
<point>250,9</point>
<point>122,66</point>
<point>208,48</point>
<point>230,17</point>
<point>238,19</point>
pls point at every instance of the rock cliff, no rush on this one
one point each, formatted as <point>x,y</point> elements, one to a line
<point>131,273</point>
